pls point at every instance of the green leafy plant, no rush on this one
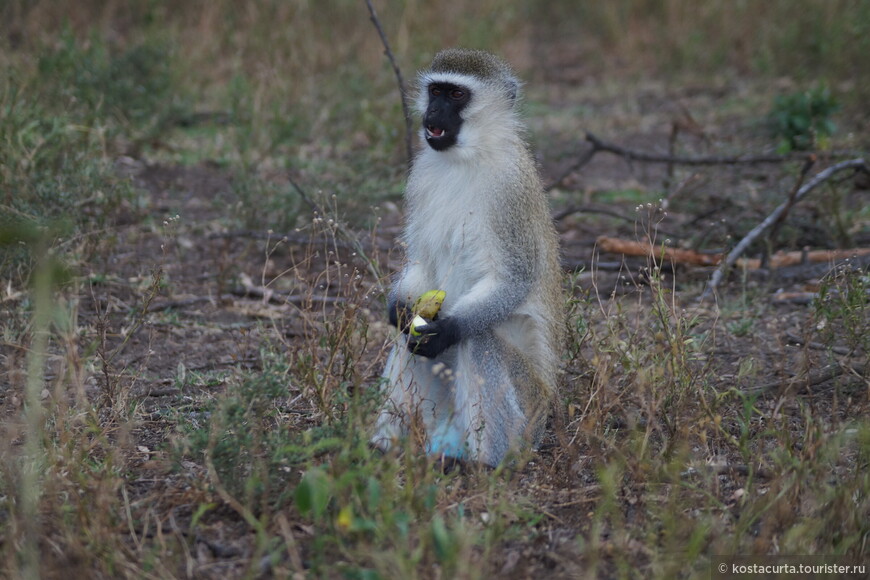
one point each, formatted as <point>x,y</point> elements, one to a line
<point>802,120</point>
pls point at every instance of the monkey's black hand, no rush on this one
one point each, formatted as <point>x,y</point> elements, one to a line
<point>400,315</point>
<point>435,337</point>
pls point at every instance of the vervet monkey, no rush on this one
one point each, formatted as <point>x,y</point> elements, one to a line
<point>481,376</point>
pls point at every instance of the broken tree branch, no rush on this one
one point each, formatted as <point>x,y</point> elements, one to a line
<point>648,157</point>
<point>656,251</point>
<point>757,231</point>
<point>797,265</point>
<point>409,123</point>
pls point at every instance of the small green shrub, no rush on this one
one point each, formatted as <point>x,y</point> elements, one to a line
<point>802,120</point>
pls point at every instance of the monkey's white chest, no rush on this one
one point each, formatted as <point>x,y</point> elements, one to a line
<point>451,248</point>
<point>451,244</point>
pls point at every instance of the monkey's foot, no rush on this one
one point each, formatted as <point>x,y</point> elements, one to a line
<point>448,441</point>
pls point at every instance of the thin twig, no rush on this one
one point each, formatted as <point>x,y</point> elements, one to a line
<point>774,229</point>
<point>584,159</point>
<point>597,145</point>
<point>649,157</point>
<point>757,231</point>
<point>409,123</point>
<point>797,340</point>
<point>344,232</point>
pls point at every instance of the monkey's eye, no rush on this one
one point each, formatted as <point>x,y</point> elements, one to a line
<point>434,91</point>
<point>457,94</point>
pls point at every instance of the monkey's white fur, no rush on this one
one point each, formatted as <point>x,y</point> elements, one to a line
<point>478,227</point>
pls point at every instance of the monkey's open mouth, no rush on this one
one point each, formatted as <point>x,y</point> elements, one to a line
<point>435,132</point>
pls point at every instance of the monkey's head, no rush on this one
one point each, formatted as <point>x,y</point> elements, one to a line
<point>465,98</point>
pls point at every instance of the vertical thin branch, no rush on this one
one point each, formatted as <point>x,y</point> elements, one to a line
<point>672,151</point>
<point>774,229</point>
<point>409,123</point>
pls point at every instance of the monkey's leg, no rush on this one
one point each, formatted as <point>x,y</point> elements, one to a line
<point>418,400</point>
<point>492,388</point>
<point>446,432</point>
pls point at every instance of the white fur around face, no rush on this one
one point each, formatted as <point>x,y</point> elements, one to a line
<point>490,118</point>
<point>426,79</point>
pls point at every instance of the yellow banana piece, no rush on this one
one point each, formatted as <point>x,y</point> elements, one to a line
<point>429,303</point>
<point>426,308</point>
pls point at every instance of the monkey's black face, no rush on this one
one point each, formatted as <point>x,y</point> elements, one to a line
<point>442,120</point>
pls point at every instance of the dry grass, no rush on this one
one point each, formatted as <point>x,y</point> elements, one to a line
<point>158,423</point>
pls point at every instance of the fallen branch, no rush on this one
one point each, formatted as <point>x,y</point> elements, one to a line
<point>785,259</point>
<point>792,199</point>
<point>657,252</point>
<point>728,469</point>
<point>856,259</point>
<point>648,157</point>
<point>591,209</point>
<point>180,303</point>
<point>281,297</point>
<point>757,231</point>
<point>584,159</point>
<point>800,298</point>
<point>695,258</point>
<point>597,146</point>
<point>797,340</point>
<point>592,266</point>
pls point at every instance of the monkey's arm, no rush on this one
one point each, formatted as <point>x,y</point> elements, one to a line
<point>488,302</point>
